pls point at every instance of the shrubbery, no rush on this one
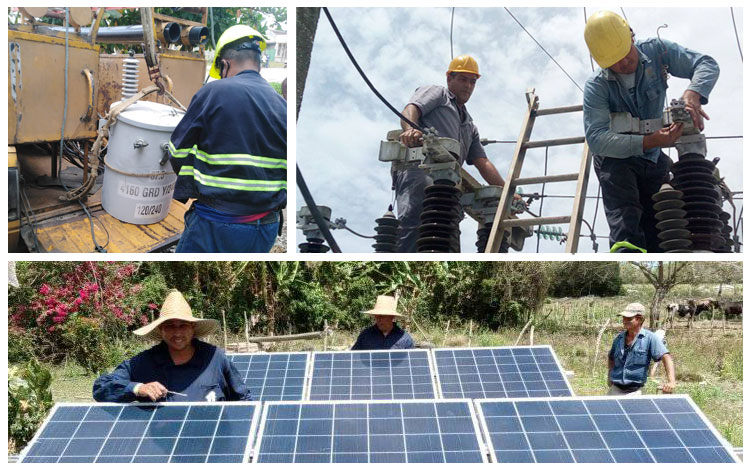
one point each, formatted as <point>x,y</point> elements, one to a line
<point>29,400</point>
<point>575,279</point>
<point>77,310</point>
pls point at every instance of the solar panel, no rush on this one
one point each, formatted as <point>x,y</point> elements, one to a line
<point>273,376</point>
<point>164,432</point>
<point>369,431</point>
<point>500,372</point>
<point>601,429</point>
<point>371,375</point>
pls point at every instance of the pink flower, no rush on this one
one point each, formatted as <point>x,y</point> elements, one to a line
<point>144,320</point>
<point>78,301</point>
<point>45,289</point>
<point>51,329</point>
<point>84,294</point>
<point>152,306</point>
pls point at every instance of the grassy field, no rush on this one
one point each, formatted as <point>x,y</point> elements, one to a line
<point>708,360</point>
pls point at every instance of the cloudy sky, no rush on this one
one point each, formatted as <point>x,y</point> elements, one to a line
<point>342,122</point>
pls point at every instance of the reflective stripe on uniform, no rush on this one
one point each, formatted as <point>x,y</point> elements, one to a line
<point>232,183</point>
<point>228,158</point>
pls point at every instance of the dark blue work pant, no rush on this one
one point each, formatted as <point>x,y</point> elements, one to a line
<point>206,236</point>
<point>627,186</point>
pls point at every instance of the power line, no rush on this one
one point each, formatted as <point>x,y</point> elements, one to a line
<point>739,46</point>
<point>545,50</point>
<point>585,20</point>
<point>453,10</point>
<point>364,77</point>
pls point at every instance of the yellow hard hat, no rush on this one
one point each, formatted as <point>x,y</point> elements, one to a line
<point>608,37</point>
<point>232,34</point>
<point>464,63</point>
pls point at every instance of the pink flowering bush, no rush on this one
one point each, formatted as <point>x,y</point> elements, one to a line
<point>108,295</point>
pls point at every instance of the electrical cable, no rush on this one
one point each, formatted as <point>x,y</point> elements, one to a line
<point>545,50</point>
<point>27,208</point>
<point>585,20</point>
<point>357,234</point>
<point>364,77</point>
<point>737,36</point>
<point>319,219</point>
<point>624,15</point>
<point>453,10</point>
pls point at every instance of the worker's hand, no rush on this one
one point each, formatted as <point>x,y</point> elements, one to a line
<point>153,391</point>
<point>664,137</point>
<point>411,138</point>
<point>695,108</point>
<point>668,387</point>
<point>518,205</point>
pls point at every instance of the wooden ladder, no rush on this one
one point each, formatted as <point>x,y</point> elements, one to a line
<point>502,217</point>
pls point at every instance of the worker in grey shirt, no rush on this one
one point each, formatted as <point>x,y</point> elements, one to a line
<point>445,110</point>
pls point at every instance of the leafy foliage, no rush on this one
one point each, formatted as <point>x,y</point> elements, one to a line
<point>29,400</point>
<point>573,279</point>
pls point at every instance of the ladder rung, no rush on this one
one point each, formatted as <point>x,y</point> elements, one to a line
<point>560,110</point>
<point>545,179</point>
<point>554,142</point>
<point>563,219</point>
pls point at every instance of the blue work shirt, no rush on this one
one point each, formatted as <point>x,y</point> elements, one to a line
<point>604,94</point>
<point>209,370</point>
<point>373,338</point>
<point>631,365</point>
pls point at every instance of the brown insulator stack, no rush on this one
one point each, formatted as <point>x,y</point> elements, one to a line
<point>694,176</point>
<point>386,238</point>
<point>672,223</point>
<point>441,214</point>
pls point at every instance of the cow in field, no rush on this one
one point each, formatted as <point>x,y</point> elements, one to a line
<point>681,310</point>
<point>731,309</point>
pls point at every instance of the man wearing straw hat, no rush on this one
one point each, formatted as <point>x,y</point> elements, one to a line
<point>180,368</point>
<point>632,352</point>
<point>384,334</point>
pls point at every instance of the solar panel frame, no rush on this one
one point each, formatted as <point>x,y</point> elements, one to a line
<point>481,447</point>
<point>440,387</point>
<point>305,379</point>
<point>491,448</point>
<point>247,452</point>
<point>426,352</point>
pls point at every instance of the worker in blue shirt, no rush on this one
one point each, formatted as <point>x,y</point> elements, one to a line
<point>633,79</point>
<point>384,334</point>
<point>632,352</point>
<point>179,368</point>
<point>229,152</point>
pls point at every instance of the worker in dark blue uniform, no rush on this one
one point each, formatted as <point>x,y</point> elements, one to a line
<point>384,334</point>
<point>633,79</point>
<point>229,152</point>
<point>179,368</point>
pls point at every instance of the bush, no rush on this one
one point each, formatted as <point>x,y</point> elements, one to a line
<point>87,344</point>
<point>29,401</point>
<point>20,346</point>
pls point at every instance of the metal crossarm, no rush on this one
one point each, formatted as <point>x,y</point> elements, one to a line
<point>503,219</point>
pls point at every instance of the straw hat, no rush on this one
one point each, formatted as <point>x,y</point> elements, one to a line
<point>176,308</point>
<point>384,305</point>
<point>633,310</point>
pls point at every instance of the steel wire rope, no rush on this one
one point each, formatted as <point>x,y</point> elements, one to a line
<point>545,50</point>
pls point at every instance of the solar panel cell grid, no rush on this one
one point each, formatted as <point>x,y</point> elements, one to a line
<point>668,429</point>
<point>275,376</point>
<point>144,433</point>
<point>405,431</point>
<point>500,373</point>
<point>378,375</point>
